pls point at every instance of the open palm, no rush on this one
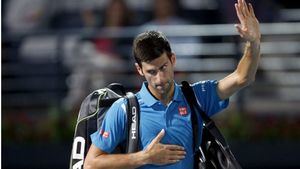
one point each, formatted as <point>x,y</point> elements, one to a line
<point>249,25</point>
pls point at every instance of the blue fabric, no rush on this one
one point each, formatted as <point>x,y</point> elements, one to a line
<point>174,118</point>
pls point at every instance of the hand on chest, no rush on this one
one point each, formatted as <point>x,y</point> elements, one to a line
<point>175,119</point>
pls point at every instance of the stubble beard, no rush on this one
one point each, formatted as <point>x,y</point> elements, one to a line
<point>165,89</point>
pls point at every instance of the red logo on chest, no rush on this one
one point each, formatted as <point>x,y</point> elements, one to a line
<point>182,111</point>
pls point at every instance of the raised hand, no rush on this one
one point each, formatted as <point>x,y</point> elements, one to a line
<point>161,154</point>
<point>249,25</point>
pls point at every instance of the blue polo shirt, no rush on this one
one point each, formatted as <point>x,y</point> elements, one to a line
<point>154,116</point>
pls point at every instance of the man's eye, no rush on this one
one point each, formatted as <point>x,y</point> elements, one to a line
<point>152,72</point>
<point>164,67</point>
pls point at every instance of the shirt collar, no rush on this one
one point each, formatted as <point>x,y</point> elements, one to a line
<point>150,100</point>
<point>178,94</point>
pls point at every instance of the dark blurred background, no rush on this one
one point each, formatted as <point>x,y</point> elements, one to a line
<point>56,52</point>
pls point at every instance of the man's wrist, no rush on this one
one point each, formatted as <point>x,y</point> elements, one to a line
<point>255,42</point>
<point>140,158</point>
<point>256,45</point>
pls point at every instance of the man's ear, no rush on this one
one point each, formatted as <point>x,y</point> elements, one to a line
<point>139,69</point>
<point>173,59</point>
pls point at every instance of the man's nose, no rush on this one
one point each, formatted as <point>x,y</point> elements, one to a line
<point>159,77</point>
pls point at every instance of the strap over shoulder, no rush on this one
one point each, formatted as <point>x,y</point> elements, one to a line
<point>193,103</point>
<point>133,121</point>
<point>192,100</point>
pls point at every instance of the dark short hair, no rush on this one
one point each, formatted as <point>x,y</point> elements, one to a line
<point>150,45</point>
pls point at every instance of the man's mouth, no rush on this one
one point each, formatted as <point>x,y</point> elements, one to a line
<point>161,86</point>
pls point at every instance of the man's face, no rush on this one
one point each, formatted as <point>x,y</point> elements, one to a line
<point>159,74</point>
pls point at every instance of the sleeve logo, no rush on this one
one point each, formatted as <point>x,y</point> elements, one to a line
<point>105,134</point>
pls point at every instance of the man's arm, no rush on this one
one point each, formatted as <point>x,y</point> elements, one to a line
<point>245,72</point>
<point>97,158</point>
<point>155,153</point>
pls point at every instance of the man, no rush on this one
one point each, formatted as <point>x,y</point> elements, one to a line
<point>165,130</point>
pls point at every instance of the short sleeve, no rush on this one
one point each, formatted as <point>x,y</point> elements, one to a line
<point>206,93</point>
<point>112,131</point>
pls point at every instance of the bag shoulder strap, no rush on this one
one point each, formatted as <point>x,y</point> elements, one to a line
<point>190,97</point>
<point>208,123</point>
<point>133,121</point>
<point>192,100</point>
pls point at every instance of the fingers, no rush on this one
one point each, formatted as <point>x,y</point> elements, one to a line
<point>175,151</point>
<point>170,160</point>
<point>161,154</point>
<point>239,13</point>
<point>174,147</point>
<point>248,28</point>
<point>243,10</point>
<point>177,155</point>
<point>173,154</point>
<point>239,29</point>
<point>174,159</point>
<point>159,136</point>
<point>251,10</point>
<point>245,7</point>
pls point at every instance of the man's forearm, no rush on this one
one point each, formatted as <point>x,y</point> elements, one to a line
<point>245,72</point>
<point>118,161</point>
<point>248,64</point>
<point>155,153</point>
